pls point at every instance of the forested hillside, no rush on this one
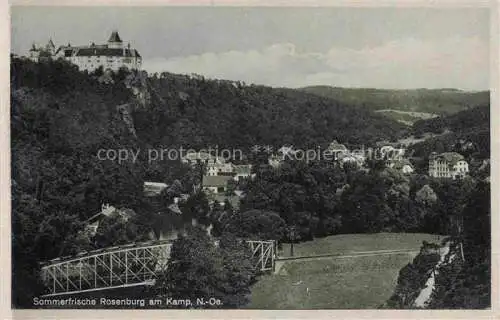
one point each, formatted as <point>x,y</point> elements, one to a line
<point>198,112</point>
<point>462,279</point>
<point>61,118</point>
<point>476,118</point>
<point>466,132</point>
<point>438,101</point>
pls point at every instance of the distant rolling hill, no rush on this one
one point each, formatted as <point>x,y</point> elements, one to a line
<point>406,106</point>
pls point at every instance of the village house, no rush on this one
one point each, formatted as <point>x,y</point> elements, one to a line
<point>286,150</point>
<point>220,169</point>
<point>336,149</point>
<point>107,211</point>
<point>448,165</point>
<point>112,55</point>
<point>347,158</point>
<point>152,189</point>
<point>391,153</point>
<point>215,184</point>
<point>275,160</point>
<point>242,171</point>
<point>403,165</point>
<point>194,158</point>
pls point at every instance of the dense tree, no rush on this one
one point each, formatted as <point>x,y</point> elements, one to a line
<point>459,283</point>
<point>118,230</point>
<point>437,101</point>
<point>197,268</point>
<point>62,118</point>
<point>256,224</point>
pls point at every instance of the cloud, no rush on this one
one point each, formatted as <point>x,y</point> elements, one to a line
<point>406,63</point>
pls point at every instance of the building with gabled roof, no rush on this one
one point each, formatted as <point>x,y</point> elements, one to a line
<point>201,157</point>
<point>219,169</point>
<point>403,165</point>
<point>448,165</point>
<point>215,184</point>
<point>243,171</point>
<point>152,189</point>
<point>112,55</point>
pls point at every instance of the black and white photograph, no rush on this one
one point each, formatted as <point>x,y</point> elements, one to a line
<point>250,157</point>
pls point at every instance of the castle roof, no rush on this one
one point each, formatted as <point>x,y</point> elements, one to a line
<point>107,52</point>
<point>114,37</point>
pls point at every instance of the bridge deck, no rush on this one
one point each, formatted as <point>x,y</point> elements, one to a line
<point>134,264</point>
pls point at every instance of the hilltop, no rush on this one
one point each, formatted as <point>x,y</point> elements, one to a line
<point>405,105</point>
<point>199,111</point>
<point>466,132</point>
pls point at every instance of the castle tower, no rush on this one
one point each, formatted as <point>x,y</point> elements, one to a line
<point>50,47</point>
<point>34,53</point>
<point>115,41</point>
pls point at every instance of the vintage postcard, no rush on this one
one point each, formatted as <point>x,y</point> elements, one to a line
<point>262,158</point>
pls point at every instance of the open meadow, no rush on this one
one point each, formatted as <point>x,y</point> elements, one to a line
<point>366,281</point>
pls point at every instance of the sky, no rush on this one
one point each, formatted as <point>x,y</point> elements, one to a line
<point>393,48</point>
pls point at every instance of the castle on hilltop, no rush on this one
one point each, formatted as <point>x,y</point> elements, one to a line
<point>112,55</point>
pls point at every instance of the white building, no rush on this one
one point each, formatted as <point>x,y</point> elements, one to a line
<point>275,161</point>
<point>243,171</point>
<point>219,169</point>
<point>337,150</point>
<point>392,153</point>
<point>448,165</point>
<point>38,54</point>
<point>201,157</point>
<point>112,55</point>
<point>403,165</point>
<point>152,189</point>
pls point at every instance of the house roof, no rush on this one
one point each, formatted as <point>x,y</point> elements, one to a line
<point>336,146</point>
<point>451,157</point>
<point>220,165</point>
<point>68,52</point>
<point>114,37</point>
<point>108,52</point>
<point>175,208</point>
<point>243,169</point>
<point>233,200</point>
<point>215,181</point>
<point>286,149</point>
<point>155,184</point>
<point>399,164</point>
<point>153,188</point>
<point>106,211</point>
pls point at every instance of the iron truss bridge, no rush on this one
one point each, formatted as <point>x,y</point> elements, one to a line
<point>136,264</point>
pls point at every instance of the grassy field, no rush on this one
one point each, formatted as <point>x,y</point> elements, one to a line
<point>348,283</point>
<point>348,243</point>
<point>407,117</point>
